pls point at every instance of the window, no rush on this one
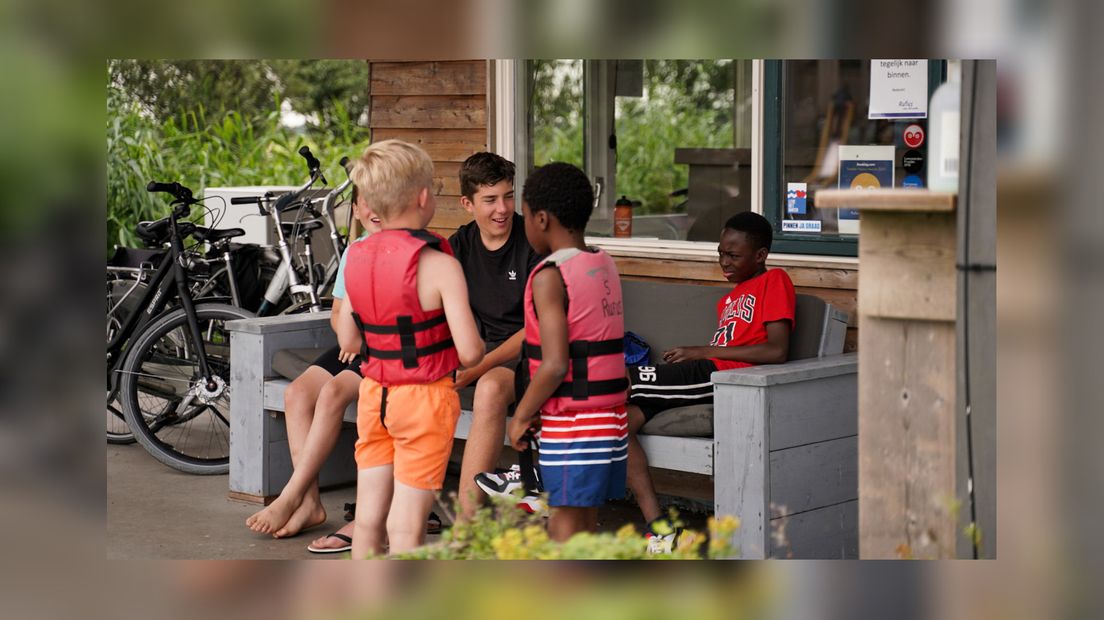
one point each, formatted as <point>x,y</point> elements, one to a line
<point>672,136</point>
<point>811,108</point>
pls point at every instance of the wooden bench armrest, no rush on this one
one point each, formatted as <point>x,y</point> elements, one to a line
<point>281,323</point>
<point>790,372</point>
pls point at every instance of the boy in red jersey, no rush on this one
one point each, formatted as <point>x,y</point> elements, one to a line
<point>574,345</point>
<point>753,327</point>
<point>408,316</point>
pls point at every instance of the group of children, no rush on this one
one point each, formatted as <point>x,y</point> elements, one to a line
<point>406,324</point>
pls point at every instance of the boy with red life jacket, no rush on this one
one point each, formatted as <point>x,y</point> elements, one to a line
<point>574,342</point>
<point>408,316</point>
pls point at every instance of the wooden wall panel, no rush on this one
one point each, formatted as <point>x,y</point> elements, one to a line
<point>442,107</point>
<point>467,77</point>
<point>430,111</point>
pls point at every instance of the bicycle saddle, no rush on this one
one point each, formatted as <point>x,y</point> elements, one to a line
<point>212,235</point>
<point>303,227</point>
<point>157,232</point>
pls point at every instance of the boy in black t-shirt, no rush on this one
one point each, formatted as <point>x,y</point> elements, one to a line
<point>497,259</point>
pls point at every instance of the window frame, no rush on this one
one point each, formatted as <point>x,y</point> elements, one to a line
<point>771,170</point>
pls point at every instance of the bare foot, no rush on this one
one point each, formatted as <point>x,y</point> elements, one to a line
<point>329,542</point>
<point>274,516</point>
<point>309,514</point>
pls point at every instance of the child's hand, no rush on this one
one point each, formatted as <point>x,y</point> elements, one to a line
<point>464,377</point>
<point>517,430</point>
<point>345,357</point>
<point>682,354</point>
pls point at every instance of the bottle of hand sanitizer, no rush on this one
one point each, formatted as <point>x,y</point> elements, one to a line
<point>944,130</point>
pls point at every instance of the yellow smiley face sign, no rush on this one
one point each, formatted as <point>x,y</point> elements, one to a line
<point>865,180</point>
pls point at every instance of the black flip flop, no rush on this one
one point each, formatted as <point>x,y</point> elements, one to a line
<point>433,524</point>
<point>348,546</point>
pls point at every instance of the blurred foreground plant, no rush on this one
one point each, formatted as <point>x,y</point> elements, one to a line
<point>502,531</point>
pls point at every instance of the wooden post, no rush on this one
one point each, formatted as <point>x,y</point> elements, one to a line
<point>907,373</point>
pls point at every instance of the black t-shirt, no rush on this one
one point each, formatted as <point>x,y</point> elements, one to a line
<point>496,280</point>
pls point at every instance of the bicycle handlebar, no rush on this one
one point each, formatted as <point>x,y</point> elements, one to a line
<point>178,191</point>
<point>313,164</point>
<point>245,200</point>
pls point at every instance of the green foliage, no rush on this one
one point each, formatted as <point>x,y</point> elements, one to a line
<point>199,151</point>
<point>686,103</point>
<point>333,91</point>
<point>504,532</point>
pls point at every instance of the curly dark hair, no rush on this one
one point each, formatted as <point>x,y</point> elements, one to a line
<point>564,191</point>
<point>758,230</point>
<point>484,169</point>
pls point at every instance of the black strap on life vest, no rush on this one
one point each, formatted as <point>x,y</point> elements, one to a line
<point>580,387</point>
<point>409,351</point>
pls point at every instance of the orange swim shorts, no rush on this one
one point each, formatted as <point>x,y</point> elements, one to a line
<point>414,433</point>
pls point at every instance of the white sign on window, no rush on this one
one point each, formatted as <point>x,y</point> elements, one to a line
<point>898,88</point>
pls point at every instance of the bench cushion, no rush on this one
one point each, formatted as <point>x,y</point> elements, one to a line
<point>290,363</point>
<point>692,421</point>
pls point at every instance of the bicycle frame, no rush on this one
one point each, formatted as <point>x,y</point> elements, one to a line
<point>169,275</point>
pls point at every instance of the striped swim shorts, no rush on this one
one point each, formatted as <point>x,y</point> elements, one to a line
<point>583,456</point>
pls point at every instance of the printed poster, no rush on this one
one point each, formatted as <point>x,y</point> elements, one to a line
<point>862,167</point>
<point>898,88</point>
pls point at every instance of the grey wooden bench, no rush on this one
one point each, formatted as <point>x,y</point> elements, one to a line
<point>780,444</point>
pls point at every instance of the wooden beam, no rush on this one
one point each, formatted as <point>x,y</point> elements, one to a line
<point>892,200</point>
<point>908,264</point>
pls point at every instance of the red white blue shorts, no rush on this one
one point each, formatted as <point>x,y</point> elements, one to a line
<point>583,456</point>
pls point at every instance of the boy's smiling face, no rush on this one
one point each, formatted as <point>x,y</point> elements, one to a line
<point>493,208</point>
<point>739,259</point>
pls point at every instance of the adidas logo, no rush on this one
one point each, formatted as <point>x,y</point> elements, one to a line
<point>513,275</point>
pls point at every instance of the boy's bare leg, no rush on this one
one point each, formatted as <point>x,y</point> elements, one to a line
<point>299,402</point>
<point>639,480</point>
<point>324,431</point>
<point>375,487</point>
<point>406,522</point>
<point>566,521</point>
<point>494,392</point>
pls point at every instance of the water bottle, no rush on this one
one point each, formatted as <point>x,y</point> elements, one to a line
<point>943,126</point>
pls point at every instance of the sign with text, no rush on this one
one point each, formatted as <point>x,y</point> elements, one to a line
<point>898,88</point>
<point>862,167</point>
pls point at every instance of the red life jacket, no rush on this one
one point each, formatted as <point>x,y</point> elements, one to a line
<point>595,332</point>
<point>402,343</point>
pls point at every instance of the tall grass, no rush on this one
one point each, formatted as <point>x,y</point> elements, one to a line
<point>187,148</point>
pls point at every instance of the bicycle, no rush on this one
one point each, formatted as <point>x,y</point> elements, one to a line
<point>170,369</point>
<point>128,273</point>
<point>305,295</point>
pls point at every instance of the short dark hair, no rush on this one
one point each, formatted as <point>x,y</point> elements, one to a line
<point>564,191</point>
<point>758,230</point>
<point>484,169</point>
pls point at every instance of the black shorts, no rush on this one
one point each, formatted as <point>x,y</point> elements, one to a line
<point>328,361</point>
<point>658,388</point>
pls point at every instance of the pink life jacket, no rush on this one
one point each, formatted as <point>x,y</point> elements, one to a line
<point>402,343</point>
<point>595,332</point>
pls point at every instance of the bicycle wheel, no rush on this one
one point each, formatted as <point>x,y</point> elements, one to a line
<point>304,307</point>
<point>123,291</point>
<point>165,400</point>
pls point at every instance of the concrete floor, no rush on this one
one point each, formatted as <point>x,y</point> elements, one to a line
<point>155,512</point>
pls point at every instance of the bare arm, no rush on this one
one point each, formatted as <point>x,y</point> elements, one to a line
<point>548,297</point>
<point>349,337</point>
<point>447,278</point>
<point>773,351</point>
<point>508,350</point>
